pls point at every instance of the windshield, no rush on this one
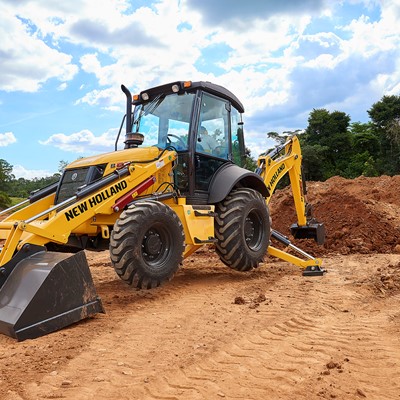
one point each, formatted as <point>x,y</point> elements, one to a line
<point>164,121</point>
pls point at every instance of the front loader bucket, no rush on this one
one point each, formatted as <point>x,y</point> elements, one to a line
<point>46,292</point>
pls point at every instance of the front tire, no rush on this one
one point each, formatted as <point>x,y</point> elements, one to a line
<point>243,229</point>
<point>147,244</point>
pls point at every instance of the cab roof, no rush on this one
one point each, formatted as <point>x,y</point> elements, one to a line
<point>188,86</point>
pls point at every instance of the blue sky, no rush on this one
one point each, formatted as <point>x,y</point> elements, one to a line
<point>62,65</point>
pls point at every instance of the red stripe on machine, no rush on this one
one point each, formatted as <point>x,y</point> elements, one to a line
<point>128,197</point>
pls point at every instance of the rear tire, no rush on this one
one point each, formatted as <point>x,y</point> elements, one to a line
<point>243,229</point>
<point>147,244</point>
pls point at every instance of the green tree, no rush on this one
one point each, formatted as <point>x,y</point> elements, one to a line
<point>280,139</point>
<point>249,162</point>
<point>366,151</point>
<point>22,187</point>
<point>5,178</point>
<point>385,117</point>
<point>62,165</point>
<point>364,138</point>
<point>327,144</point>
<point>314,158</point>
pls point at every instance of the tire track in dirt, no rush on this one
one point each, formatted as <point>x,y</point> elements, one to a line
<point>191,339</point>
<point>131,351</point>
<point>257,365</point>
<point>272,363</point>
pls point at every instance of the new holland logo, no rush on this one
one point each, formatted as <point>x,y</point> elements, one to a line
<point>95,200</point>
<point>275,176</point>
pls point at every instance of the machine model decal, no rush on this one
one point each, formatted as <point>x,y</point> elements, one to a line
<point>275,176</point>
<point>95,200</point>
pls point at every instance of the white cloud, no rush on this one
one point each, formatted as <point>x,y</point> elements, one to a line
<point>26,60</point>
<point>236,15</point>
<point>21,172</point>
<point>7,138</point>
<point>105,99</point>
<point>155,64</point>
<point>62,87</point>
<point>83,142</point>
<point>276,67</point>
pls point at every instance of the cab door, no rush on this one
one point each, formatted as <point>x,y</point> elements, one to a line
<point>213,143</point>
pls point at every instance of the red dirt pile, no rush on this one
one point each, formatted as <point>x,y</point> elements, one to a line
<point>360,215</point>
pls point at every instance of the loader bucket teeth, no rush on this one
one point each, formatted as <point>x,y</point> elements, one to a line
<point>314,231</point>
<point>45,292</point>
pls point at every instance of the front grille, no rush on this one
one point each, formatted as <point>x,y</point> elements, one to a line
<point>71,181</point>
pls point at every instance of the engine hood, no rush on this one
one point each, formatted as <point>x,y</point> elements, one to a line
<point>117,157</point>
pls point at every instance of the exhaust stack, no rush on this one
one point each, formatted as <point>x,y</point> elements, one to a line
<point>132,139</point>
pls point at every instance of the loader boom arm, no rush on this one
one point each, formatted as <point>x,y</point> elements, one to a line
<point>55,223</point>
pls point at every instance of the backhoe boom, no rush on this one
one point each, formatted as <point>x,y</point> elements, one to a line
<point>272,167</point>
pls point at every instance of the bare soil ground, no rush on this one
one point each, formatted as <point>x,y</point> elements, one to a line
<point>214,333</point>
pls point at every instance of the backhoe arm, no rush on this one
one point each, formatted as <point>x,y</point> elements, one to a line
<point>272,167</point>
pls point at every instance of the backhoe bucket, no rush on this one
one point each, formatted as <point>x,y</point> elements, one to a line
<point>314,231</point>
<point>45,292</point>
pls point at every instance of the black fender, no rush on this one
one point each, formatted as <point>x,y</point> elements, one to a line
<point>229,176</point>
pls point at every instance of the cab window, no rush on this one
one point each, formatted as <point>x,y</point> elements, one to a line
<point>213,129</point>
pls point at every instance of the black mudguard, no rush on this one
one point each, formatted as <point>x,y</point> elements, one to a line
<point>231,175</point>
<point>45,292</point>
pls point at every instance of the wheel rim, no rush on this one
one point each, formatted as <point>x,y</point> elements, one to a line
<point>156,245</point>
<point>254,230</point>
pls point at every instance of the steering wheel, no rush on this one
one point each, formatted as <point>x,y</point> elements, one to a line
<point>180,140</point>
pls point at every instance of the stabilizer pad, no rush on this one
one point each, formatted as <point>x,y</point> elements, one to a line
<point>313,270</point>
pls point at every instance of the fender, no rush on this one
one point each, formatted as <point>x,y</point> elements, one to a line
<point>231,175</point>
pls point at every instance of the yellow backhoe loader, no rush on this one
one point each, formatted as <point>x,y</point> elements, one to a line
<point>177,185</point>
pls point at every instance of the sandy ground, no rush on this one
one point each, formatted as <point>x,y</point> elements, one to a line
<point>214,333</point>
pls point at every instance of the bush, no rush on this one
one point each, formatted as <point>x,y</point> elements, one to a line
<point>5,201</point>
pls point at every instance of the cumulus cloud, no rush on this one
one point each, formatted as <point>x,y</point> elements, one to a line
<point>131,35</point>
<point>21,172</point>
<point>280,58</point>
<point>22,55</point>
<point>7,138</point>
<point>83,142</point>
<point>111,99</point>
<point>62,87</point>
<point>234,15</point>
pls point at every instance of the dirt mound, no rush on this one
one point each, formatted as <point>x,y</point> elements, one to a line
<point>360,215</point>
<point>386,282</point>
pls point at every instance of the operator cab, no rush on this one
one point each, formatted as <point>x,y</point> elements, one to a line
<point>200,120</point>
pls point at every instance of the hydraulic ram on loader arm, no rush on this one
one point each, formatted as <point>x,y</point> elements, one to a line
<point>272,167</point>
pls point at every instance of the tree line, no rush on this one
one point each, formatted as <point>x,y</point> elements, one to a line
<point>331,146</point>
<point>20,187</point>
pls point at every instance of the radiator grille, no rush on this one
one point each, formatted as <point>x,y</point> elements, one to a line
<point>72,179</point>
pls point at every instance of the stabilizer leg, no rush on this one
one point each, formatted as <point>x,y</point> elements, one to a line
<point>311,266</point>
